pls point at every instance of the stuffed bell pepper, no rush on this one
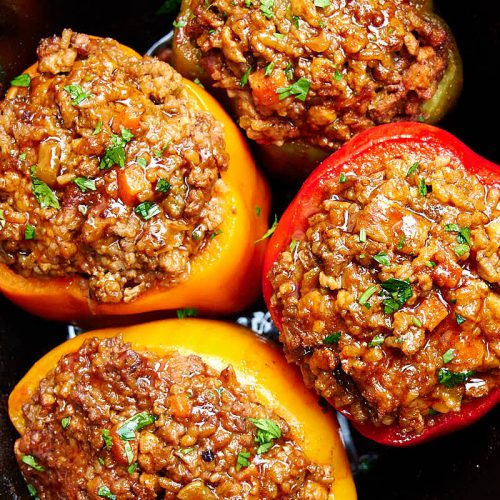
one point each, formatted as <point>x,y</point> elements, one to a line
<point>303,77</point>
<point>383,277</point>
<point>185,409</point>
<point>124,189</point>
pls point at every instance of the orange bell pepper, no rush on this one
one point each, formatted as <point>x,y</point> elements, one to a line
<point>224,277</point>
<point>257,363</point>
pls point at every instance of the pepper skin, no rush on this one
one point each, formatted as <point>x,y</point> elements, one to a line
<point>294,160</point>
<point>223,277</point>
<point>395,138</point>
<point>257,363</point>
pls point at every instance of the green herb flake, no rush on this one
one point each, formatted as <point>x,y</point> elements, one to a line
<point>187,313</point>
<point>362,255</point>
<point>242,460</point>
<point>413,169</point>
<point>450,379</point>
<point>459,319</point>
<point>337,76</point>
<point>244,78</point>
<point>142,162</point>
<point>29,232</point>
<point>215,233</point>
<point>77,94</point>
<point>128,452</point>
<point>162,186</point>
<point>452,228</point>
<point>212,32</point>
<point>132,468</point>
<point>198,82</point>
<point>269,69</point>
<point>83,209</point>
<point>32,490</point>
<point>416,322</point>
<point>248,3</point>
<point>105,492</point>
<point>136,423</point>
<point>115,154</point>
<point>463,236</point>
<point>362,235</point>
<point>266,7</point>
<point>98,128</point>
<point>30,460</point>
<point>65,422</point>
<point>299,89</point>
<point>267,432</point>
<point>382,258</point>
<point>101,460</point>
<point>422,187</point>
<point>2,219</point>
<point>461,249</point>
<point>322,3</point>
<point>147,209</point>
<point>376,341</point>
<point>432,412</point>
<point>421,119</point>
<point>397,293</point>
<point>23,80</point>
<point>43,194</point>
<point>430,263</point>
<point>289,71</point>
<point>108,441</point>
<point>258,211</point>
<point>448,356</point>
<point>365,297</point>
<point>296,21</point>
<point>270,231</point>
<point>342,178</point>
<point>85,184</point>
<point>332,338</point>
<point>22,157</point>
<point>186,451</point>
<point>179,24</point>
<point>293,246</point>
<point>401,242</point>
<point>279,35</point>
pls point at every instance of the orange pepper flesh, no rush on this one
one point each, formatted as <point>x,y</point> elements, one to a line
<point>257,363</point>
<point>224,277</point>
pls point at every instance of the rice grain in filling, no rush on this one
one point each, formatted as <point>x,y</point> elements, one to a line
<point>390,300</point>
<point>318,72</point>
<point>140,425</point>
<point>107,170</point>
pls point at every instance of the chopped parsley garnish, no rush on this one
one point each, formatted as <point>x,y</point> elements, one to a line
<point>376,341</point>
<point>23,80</point>
<point>296,20</point>
<point>65,422</point>
<point>179,24</point>
<point>105,492</point>
<point>459,319</point>
<point>108,442</point>
<point>293,246</point>
<point>448,356</point>
<point>362,255</point>
<point>289,71</point>
<point>115,154</point>
<point>299,89</point>
<point>432,412</point>
<point>332,339</point>
<point>257,211</point>
<point>211,32</point>
<point>2,219</point>
<point>279,35</point>
<point>142,162</point>
<point>382,258</point>
<point>32,490</point>
<point>244,78</point>
<point>461,249</point>
<point>98,128</point>
<point>269,69</point>
<point>430,263</point>
<point>420,119</point>
<point>463,236</point>
<point>187,313</point>
<point>362,235</point>
<point>266,7</point>
<point>451,379</point>
<point>101,460</point>
<point>365,297</point>
<point>30,460</point>
<point>128,452</point>
<point>417,322</point>
<point>132,467</point>
<point>22,157</point>
<point>162,186</point>
<point>401,242</point>
<point>270,231</point>
<point>133,424</point>
<point>422,187</point>
<point>215,233</point>
<point>29,232</point>
<point>186,451</point>
<point>342,178</point>
<point>147,209</point>
<point>43,194</point>
<point>397,293</point>
<point>85,184</point>
<point>337,76</point>
<point>196,234</point>
<point>267,432</point>
<point>412,169</point>
<point>242,460</point>
<point>451,228</point>
<point>198,82</point>
<point>322,3</point>
<point>77,94</point>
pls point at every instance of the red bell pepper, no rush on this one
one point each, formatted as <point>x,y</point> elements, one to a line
<point>393,138</point>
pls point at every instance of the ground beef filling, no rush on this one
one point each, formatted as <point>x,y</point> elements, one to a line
<point>319,74</point>
<point>391,300</point>
<point>107,170</point>
<point>144,426</point>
